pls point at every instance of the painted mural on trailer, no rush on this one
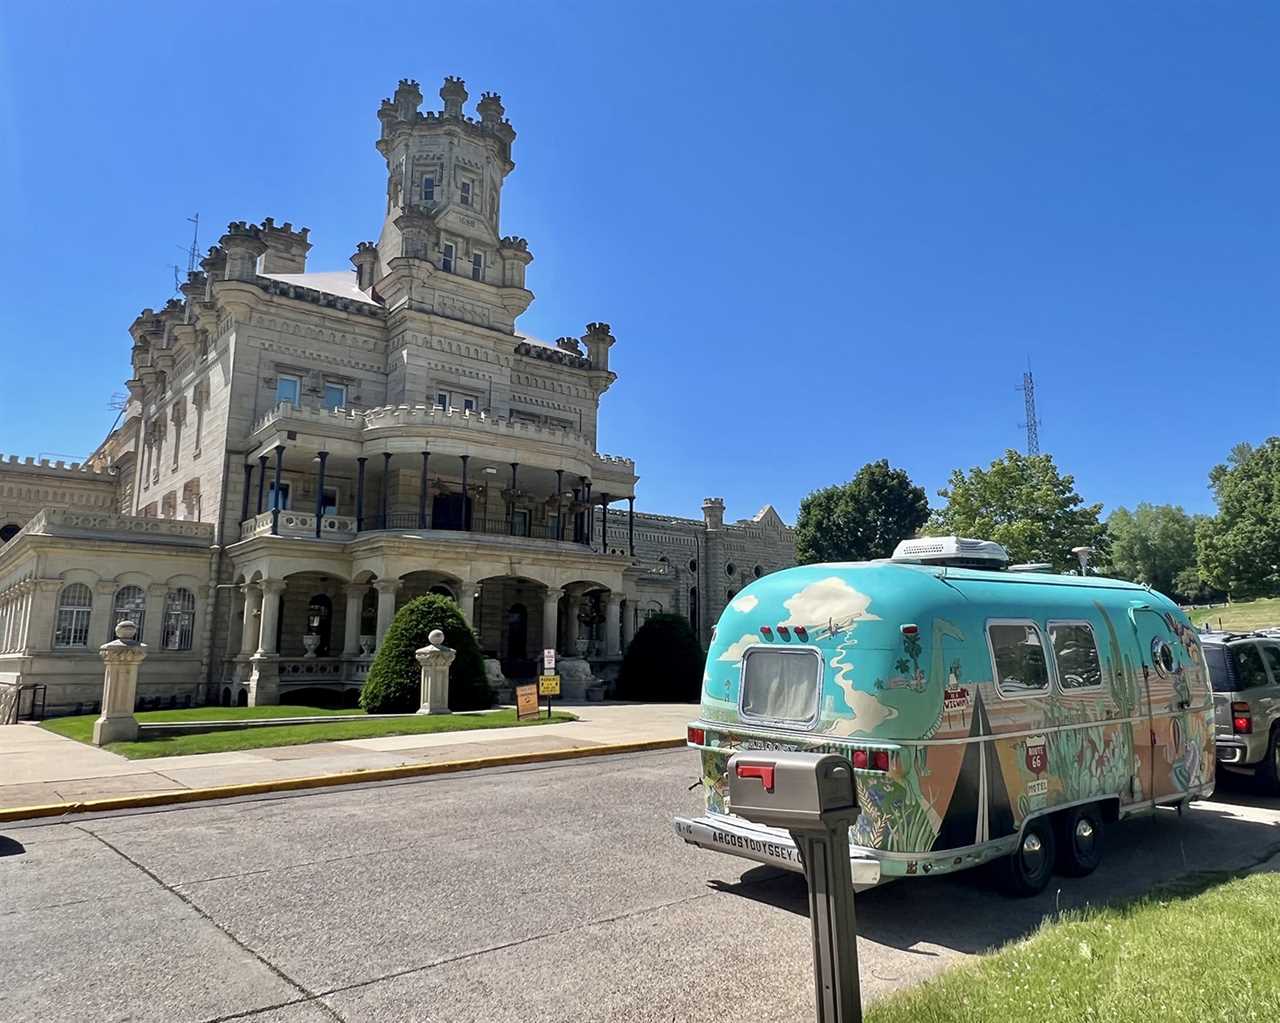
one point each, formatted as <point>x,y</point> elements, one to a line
<point>1131,715</point>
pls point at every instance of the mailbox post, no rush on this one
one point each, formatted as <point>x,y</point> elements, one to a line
<point>812,796</point>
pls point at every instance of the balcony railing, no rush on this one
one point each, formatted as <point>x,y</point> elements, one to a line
<point>343,527</point>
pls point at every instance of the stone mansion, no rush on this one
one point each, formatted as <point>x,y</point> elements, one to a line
<point>302,452</point>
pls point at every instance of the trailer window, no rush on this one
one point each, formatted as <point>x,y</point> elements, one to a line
<point>1018,653</point>
<point>780,685</point>
<point>1075,652</point>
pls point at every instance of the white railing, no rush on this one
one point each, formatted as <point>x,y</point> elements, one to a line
<point>296,524</point>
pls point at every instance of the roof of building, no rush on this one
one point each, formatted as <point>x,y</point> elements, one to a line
<point>332,282</point>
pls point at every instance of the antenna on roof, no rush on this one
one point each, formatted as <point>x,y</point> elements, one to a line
<point>1032,425</point>
<point>192,251</point>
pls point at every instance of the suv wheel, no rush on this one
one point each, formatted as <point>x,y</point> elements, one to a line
<point>1269,769</point>
<point>1080,832</point>
<point>1027,870</point>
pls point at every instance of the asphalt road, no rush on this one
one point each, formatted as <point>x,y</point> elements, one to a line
<point>554,893</point>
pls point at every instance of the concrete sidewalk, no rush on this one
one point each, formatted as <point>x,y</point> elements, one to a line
<point>38,767</point>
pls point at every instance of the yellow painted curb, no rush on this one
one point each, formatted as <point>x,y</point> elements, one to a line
<point>321,781</point>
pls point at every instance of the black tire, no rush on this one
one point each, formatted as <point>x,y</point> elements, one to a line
<point>1080,833</point>
<point>1268,773</point>
<point>1026,871</point>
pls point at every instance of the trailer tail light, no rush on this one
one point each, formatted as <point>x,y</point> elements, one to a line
<point>880,760</point>
<point>697,736</point>
<point>870,760</point>
<point>784,632</point>
<point>1241,719</point>
<point>860,759</point>
<point>766,632</point>
<point>909,630</point>
<point>802,634</point>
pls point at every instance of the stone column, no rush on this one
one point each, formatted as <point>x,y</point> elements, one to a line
<point>249,618</point>
<point>153,624</point>
<point>435,659</point>
<point>119,686</point>
<point>386,607</point>
<point>628,621</point>
<point>572,606</point>
<point>467,604</point>
<point>100,617</point>
<point>264,679</point>
<point>550,617</point>
<point>40,614</point>
<point>272,590</point>
<point>613,626</point>
<point>351,633</point>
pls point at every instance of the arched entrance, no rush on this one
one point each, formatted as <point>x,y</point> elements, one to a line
<point>516,632</point>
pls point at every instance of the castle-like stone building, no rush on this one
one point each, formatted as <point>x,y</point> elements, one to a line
<point>302,452</point>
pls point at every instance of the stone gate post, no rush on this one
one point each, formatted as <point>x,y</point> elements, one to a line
<point>435,659</point>
<point>119,686</point>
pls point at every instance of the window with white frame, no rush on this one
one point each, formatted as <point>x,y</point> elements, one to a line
<point>130,605</point>
<point>75,604</point>
<point>429,189</point>
<point>288,388</point>
<point>335,395</point>
<point>468,404</point>
<point>442,399</point>
<point>477,266</point>
<point>1075,652</point>
<point>447,257</point>
<point>1018,652</point>
<point>466,193</point>
<point>179,619</point>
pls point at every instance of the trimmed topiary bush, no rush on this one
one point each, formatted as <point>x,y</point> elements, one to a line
<point>663,664</point>
<point>394,683</point>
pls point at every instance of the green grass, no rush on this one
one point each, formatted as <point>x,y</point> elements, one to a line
<point>1240,617</point>
<point>1211,956</point>
<point>80,728</point>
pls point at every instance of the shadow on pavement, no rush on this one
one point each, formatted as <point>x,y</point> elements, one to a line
<point>966,912</point>
<point>11,847</point>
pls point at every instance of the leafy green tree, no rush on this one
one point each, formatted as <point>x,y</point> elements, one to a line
<point>393,685</point>
<point>1023,503</point>
<point>1238,550</point>
<point>862,519</point>
<point>664,662</point>
<point>1154,544</point>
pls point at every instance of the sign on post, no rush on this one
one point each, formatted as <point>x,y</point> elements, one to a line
<point>548,662</point>
<point>549,686</point>
<point>527,702</point>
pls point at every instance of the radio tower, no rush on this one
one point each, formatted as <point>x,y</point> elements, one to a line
<point>1032,424</point>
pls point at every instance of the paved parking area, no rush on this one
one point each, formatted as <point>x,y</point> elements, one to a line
<point>536,893</point>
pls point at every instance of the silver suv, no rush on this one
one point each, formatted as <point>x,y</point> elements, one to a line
<point>1245,673</point>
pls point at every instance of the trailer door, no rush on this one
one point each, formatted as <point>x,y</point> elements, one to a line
<point>1168,704</point>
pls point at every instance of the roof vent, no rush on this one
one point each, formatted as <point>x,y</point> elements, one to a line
<point>1032,566</point>
<point>952,551</point>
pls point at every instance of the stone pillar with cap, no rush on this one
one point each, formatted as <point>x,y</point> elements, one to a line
<point>119,686</point>
<point>435,659</point>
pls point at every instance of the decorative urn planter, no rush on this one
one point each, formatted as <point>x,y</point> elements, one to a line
<point>366,645</point>
<point>580,646</point>
<point>310,643</point>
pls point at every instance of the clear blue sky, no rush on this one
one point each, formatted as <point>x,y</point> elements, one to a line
<point>822,234</point>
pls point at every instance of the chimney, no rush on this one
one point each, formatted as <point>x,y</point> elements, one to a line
<point>365,260</point>
<point>286,248</point>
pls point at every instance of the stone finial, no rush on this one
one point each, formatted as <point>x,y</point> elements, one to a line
<point>365,260</point>
<point>490,108</point>
<point>126,630</point>
<point>598,339</point>
<point>408,98</point>
<point>454,94</point>
<point>435,637</point>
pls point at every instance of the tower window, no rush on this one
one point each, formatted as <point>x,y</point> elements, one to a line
<point>466,193</point>
<point>335,396</point>
<point>446,261</point>
<point>477,266</point>
<point>428,189</point>
<point>287,389</point>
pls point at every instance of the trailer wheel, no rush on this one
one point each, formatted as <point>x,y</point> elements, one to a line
<point>1027,870</point>
<point>1269,770</point>
<point>1080,832</point>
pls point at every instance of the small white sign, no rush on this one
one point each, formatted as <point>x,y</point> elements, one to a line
<point>549,661</point>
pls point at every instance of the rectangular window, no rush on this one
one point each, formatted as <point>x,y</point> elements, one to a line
<point>468,404</point>
<point>428,189</point>
<point>477,266</point>
<point>442,399</point>
<point>446,259</point>
<point>1018,653</point>
<point>335,396</point>
<point>330,501</point>
<point>1247,666</point>
<point>781,685</point>
<point>271,495</point>
<point>466,193</point>
<point>288,389</point>
<point>1075,652</point>
<point>520,522</point>
<point>72,628</point>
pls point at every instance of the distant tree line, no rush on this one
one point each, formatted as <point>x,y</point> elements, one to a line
<point>1025,504</point>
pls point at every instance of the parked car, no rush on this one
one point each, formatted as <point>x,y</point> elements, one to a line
<point>1244,671</point>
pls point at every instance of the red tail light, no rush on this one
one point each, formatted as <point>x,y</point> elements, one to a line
<point>697,736</point>
<point>870,760</point>
<point>784,632</point>
<point>802,634</point>
<point>1241,719</point>
<point>766,632</point>
<point>880,760</point>
<point>860,759</point>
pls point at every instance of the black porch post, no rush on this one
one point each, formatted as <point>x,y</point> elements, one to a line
<point>386,483</point>
<point>631,524</point>
<point>422,492</point>
<point>466,504</point>
<point>262,479</point>
<point>322,456</point>
<point>275,497</point>
<point>248,482</point>
<point>559,504</point>
<point>360,493</point>
<point>511,505</point>
<point>604,523</point>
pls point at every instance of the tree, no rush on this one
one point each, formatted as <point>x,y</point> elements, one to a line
<point>1154,544</point>
<point>664,662</point>
<point>862,519</point>
<point>1238,550</point>
<point>393,685</point>
<point>1023,503</point>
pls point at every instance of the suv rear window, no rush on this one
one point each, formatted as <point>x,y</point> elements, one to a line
<point>780,685</point>
<point>1235,667</point>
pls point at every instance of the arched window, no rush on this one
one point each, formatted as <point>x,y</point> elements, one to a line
<point>74,604</point>
<point>179,619</point>
<point>130,605</point>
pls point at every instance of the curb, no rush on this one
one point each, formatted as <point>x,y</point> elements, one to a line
<point>320,781</point>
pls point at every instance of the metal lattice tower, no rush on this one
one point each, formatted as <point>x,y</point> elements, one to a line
<point>1032,424</point>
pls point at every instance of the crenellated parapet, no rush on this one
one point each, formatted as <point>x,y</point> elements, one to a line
<point>561,355</point>
<point>11,463</point>
<point>286,248</point>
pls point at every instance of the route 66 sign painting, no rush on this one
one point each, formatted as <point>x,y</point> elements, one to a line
<point>1037,755</point>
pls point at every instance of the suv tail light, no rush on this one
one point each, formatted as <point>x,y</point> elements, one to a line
<point>870,760</point>
<point>697,736</point>
<point>1241,719</point>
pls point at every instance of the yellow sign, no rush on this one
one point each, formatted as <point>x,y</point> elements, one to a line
<point>527,702</point>
<point>548,685</point>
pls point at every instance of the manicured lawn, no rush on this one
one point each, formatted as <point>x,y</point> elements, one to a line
<point>1208,956</point>
<point>1241,617</point>
<point>80,728</point>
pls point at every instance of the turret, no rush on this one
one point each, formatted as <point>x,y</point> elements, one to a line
<point>365,260</point>
<point>454,94</point>
<point>490,109</point>
<point>598,340</point>
<point>243,246</point>
<point>286,248</point>
<point>713,512</point>
<point>407,99</point>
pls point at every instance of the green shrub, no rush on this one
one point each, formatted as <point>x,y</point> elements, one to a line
<point>664,662</point>
<point>394,683</point>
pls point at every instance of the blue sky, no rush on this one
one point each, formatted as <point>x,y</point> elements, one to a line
<point>822,234</point>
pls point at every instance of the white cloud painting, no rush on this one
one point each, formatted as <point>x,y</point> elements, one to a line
<point>828,600</point>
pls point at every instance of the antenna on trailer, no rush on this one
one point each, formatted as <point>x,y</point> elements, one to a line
<point>1032,425</point>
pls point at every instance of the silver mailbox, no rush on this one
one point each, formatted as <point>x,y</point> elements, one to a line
<point>794,791</point>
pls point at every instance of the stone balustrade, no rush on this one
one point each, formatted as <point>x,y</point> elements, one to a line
<point>73,522</point>
<point>296,523</point>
